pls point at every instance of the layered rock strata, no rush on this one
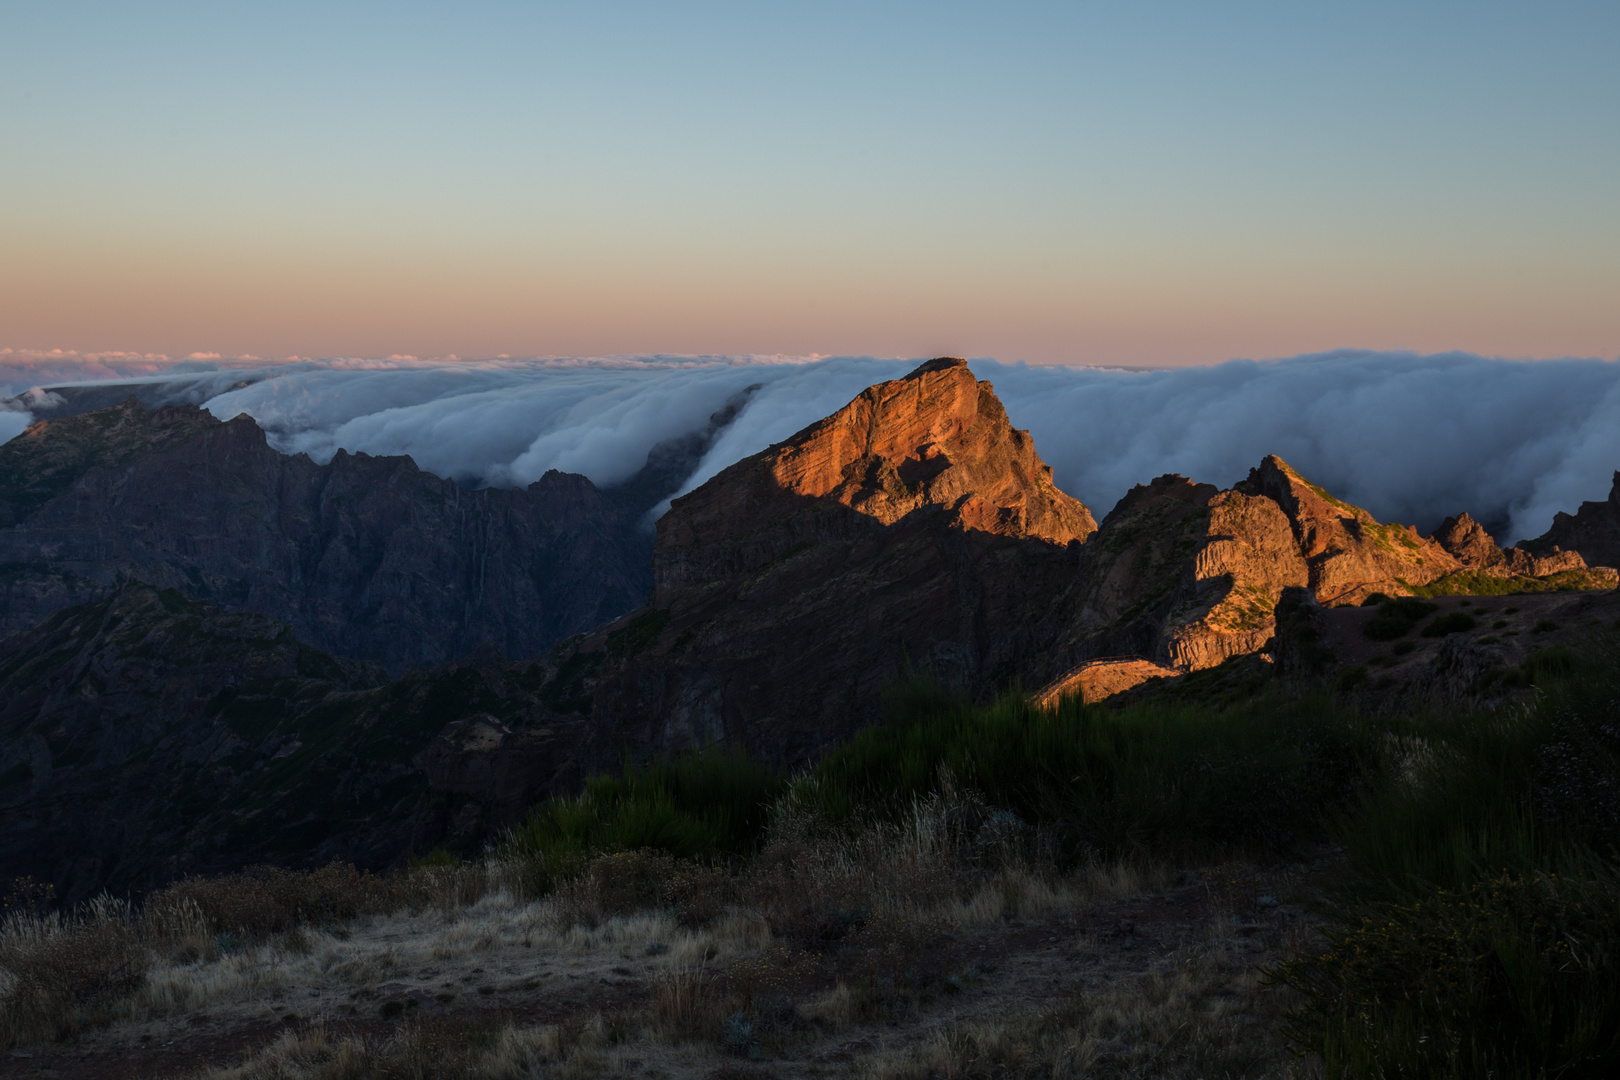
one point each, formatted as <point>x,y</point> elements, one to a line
<point>1350,555</point>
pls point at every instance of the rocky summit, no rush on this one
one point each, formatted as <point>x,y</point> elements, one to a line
<point>914,529</point>
<point>1183,576</point>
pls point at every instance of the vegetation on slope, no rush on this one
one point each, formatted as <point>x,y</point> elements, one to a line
<point>1474,929</point>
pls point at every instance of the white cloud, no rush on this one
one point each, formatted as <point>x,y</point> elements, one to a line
<point>1412,438</point>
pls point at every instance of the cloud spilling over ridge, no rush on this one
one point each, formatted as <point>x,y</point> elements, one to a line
<point>1412,438</point>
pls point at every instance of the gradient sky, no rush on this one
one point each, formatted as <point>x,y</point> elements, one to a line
<point>1135,183</point>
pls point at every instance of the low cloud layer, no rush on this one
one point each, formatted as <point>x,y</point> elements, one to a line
<point>1412,438</point>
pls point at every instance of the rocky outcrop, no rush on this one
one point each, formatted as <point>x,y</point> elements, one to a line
<point>1349,553</point>
<point>936,443</point>
<point>1468,542</point>
<point>915,529</point>
<point>1593,532</point>
<point>1300,648</point>
<point>1471,545</point>
<point>366,557</point>
<point>1460,669</point>
<point>1184,576</point>
<point>1180,574</point>
<point>1097,680</point>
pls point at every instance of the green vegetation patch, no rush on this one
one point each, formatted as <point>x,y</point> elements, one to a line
<point>1163,776</point>
<point>1477,929</point>
<point>567,691</point>
<point>697,804</point>
<point>1395,618</point>
<point>1480,583</point>
<point>638,635</point>
<point>1454,622</point>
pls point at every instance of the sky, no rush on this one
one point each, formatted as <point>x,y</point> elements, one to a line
<point>1150,184</point>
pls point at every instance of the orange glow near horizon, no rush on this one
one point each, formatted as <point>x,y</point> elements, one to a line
<point>1048,183</point>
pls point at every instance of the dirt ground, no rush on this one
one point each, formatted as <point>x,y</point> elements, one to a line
<point>497,962</point>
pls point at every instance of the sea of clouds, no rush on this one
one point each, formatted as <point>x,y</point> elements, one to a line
<point>1412,438</point>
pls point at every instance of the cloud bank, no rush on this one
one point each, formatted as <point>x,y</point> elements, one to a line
<point>1412,438</point>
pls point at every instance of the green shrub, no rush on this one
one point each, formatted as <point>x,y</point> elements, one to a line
<point>1455,622</point>
<point>1478,930</point>
<point>1157,775</point>
<point>698,804</point>
<point>1545,666</point>
<point>1512,976</point>
<point>1395,618</point>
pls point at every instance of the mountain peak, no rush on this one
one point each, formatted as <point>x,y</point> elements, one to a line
<point>936,441</point>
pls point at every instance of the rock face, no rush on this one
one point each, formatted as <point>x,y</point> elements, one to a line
<point>914,528</point>
<point>935,443</point>
<point>1350,554</point>
<point>1468,542</point>
<point>1180,574</point>
<point>1099,679</point>
<point>144,737</point>
<point>1183,576</point>
<point>366,557</point>
<point>1593,531</point>
<point>1299,649</point>
<point>1472,546</point>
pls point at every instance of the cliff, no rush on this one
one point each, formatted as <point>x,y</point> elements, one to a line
<point>1593,532</point>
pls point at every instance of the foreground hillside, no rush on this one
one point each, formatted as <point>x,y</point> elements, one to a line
<point>1281,886</point>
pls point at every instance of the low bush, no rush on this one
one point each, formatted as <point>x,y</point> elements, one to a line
<point>1395,618</point>
<point>1478,930</point>
<point>59,974</point>
<point>1454,622</point>
<point>698,804</point>
<point>1166,777</point>
<point>1512,976</point>
<point>265,900</point>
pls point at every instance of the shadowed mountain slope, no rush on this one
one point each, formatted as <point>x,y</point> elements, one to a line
<point>1593,531</point>
<point>145,736</point>
<point>367,557</point>
<point>913,528</point>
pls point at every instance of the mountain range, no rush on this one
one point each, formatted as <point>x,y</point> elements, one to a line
<point>219,653</point>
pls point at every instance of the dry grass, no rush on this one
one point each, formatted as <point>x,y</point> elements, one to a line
<point>61,973</point>
<point>674,969</point>
<point>1202,1014</point>
<point>430,1049</point>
